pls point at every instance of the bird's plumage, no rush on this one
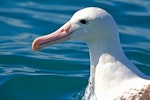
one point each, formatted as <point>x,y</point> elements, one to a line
<point>112,75</point>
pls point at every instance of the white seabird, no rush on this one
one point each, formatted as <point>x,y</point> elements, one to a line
<point>112,75</point>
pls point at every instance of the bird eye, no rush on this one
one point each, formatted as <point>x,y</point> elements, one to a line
<point>83,21</point>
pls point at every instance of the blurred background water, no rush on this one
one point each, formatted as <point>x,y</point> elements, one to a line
<point>61,72</point>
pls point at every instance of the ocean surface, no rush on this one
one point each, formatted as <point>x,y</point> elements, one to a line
<point>61,72</point>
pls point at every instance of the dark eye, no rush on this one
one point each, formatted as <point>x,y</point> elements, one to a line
<point>83,21</point>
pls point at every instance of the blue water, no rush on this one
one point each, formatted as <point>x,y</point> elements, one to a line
<point>61,72</point>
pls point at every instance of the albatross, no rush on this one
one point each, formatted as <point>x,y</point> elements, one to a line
<point>112,75</point>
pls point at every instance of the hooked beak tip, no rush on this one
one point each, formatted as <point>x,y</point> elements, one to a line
<point>35,45</point>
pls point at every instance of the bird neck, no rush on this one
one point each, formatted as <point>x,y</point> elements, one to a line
<point>97,47</point>
<point>110,45</point>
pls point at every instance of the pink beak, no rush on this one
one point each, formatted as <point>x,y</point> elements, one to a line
<point>59,35</point>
